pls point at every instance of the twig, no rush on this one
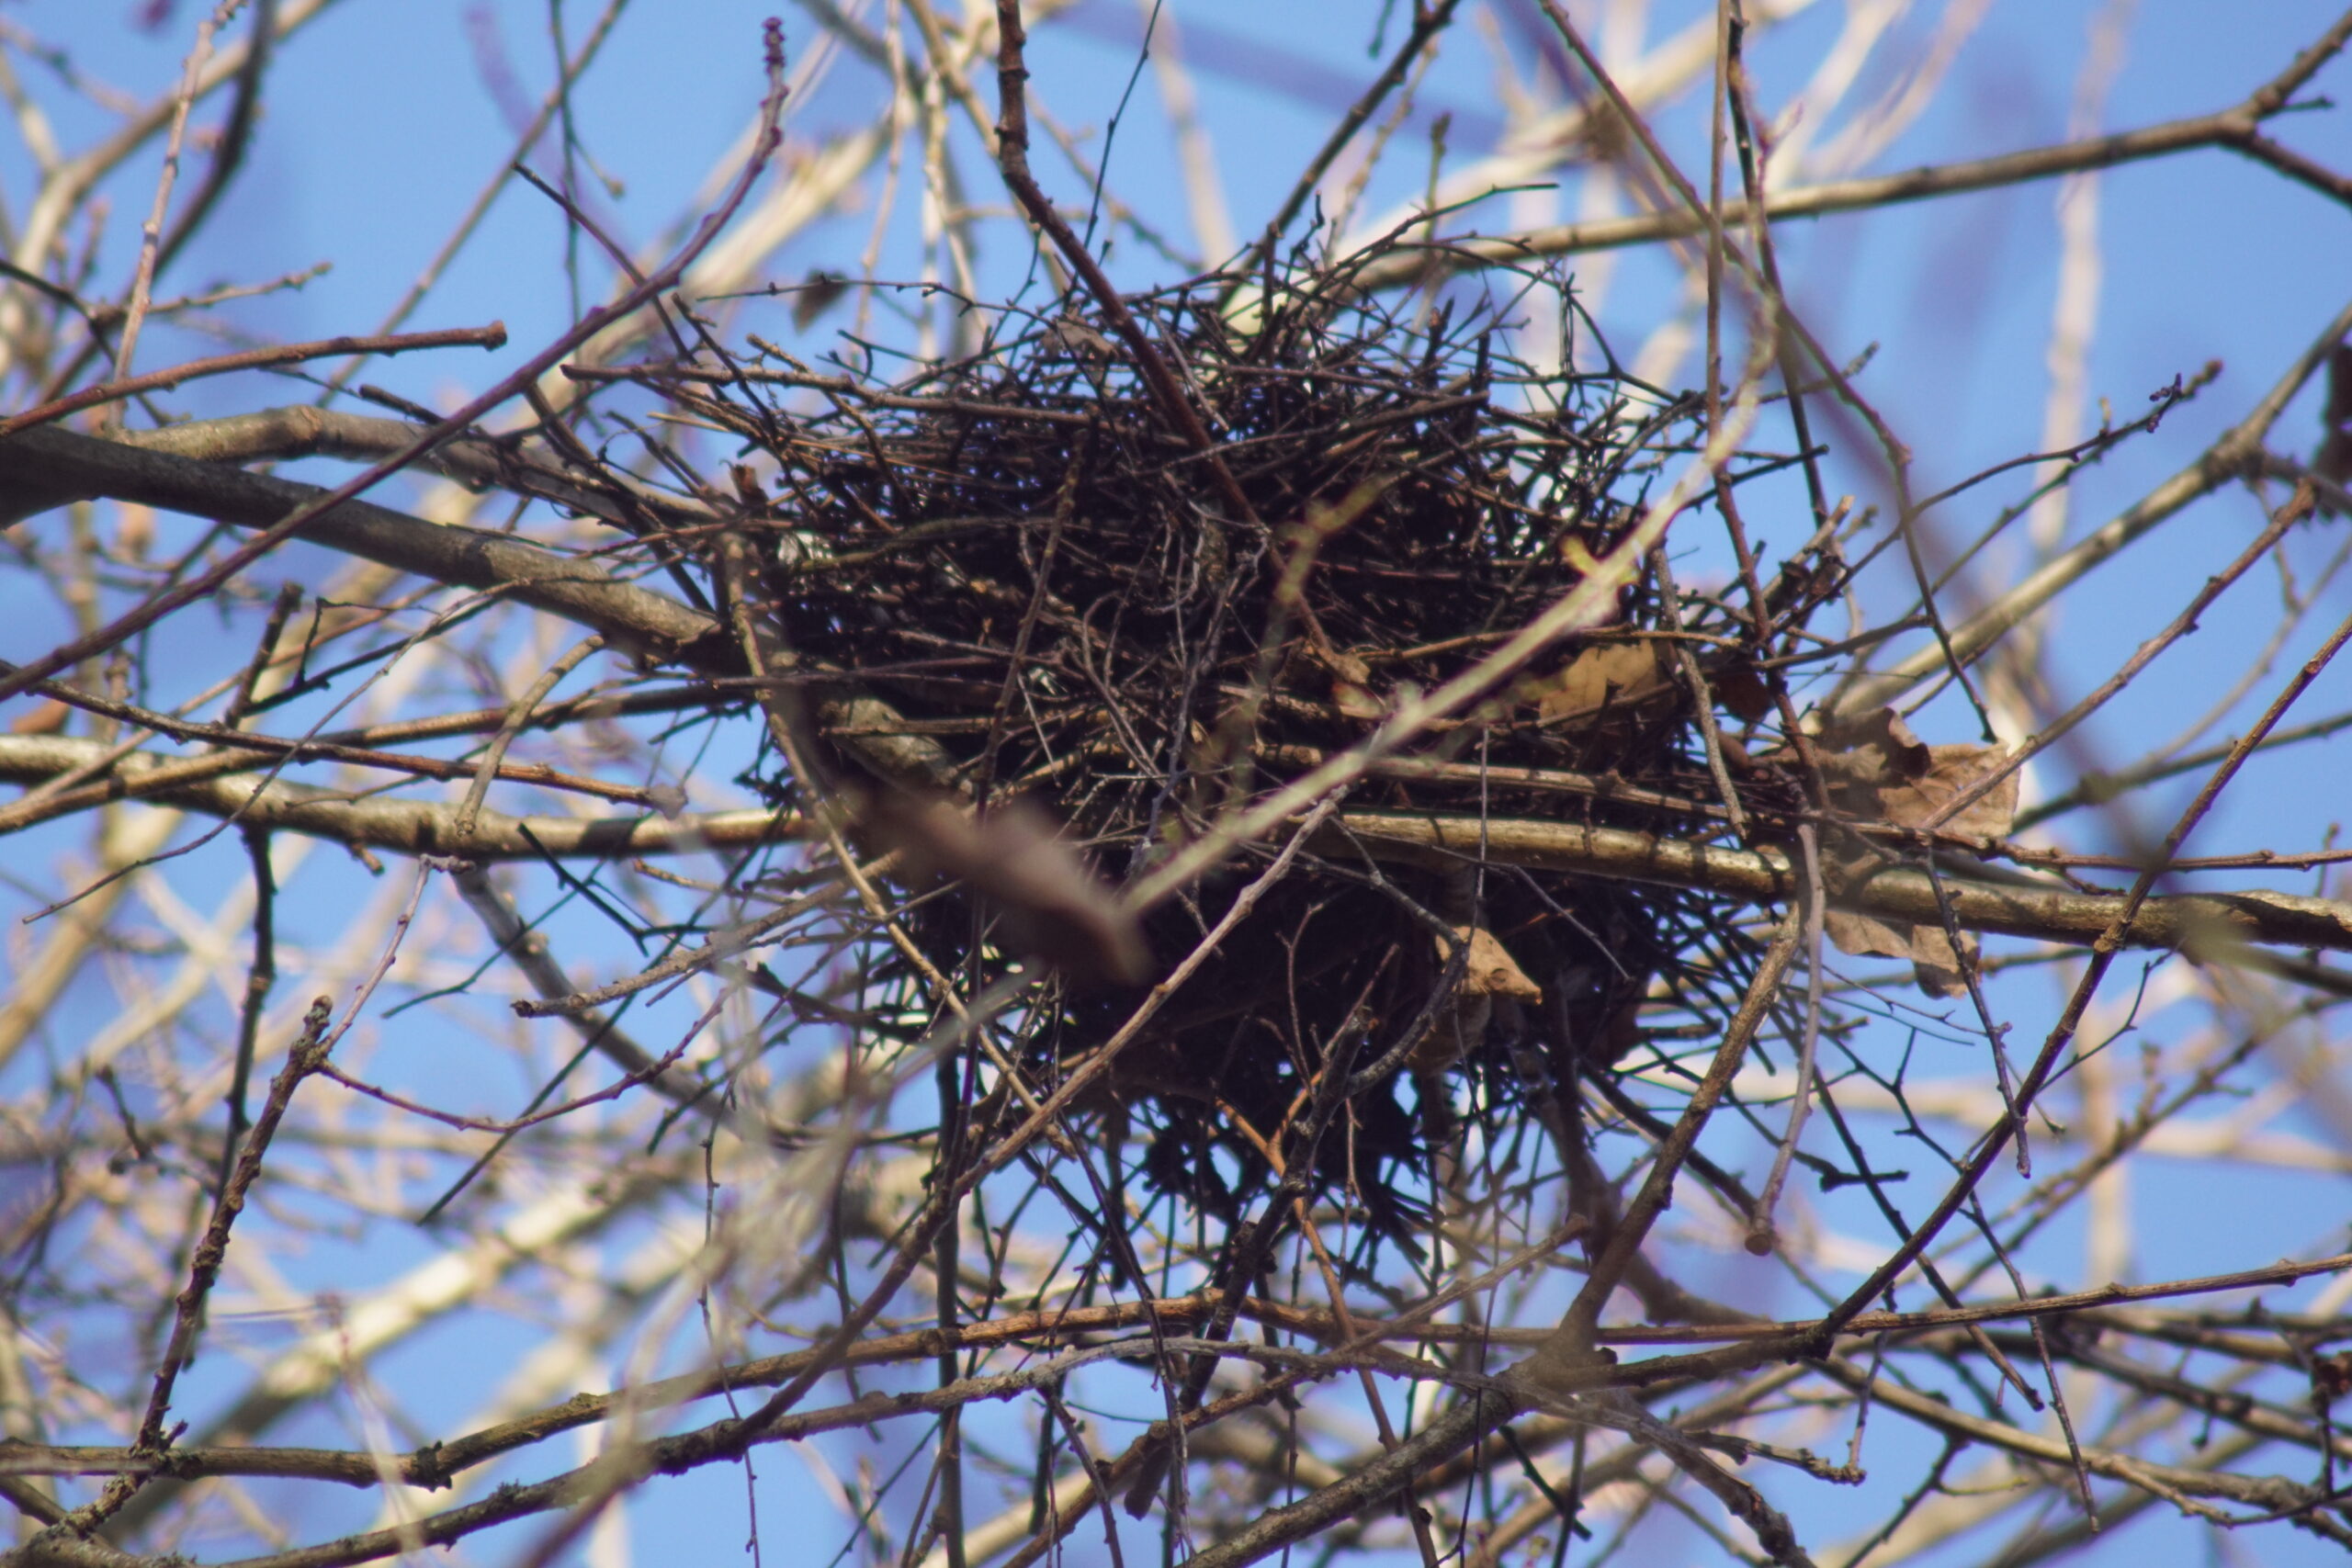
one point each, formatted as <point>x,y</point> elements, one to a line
<point>494,754</point>
<point>2239,448</point>
<point>2103,950</point>
<point>1428,20</point>
<point>1701,697</point>
<point>156,606</point>
<point>260,977</point>
<point>440,1462</point>
<point>1570,1346</point>
<point>1012,157</point>
<point>240,750</point>
<point>2232,127</point>
<point>150,234</point>
<point>2058,728</point>
<point>306,1056</point>
<point>125,385</point>
<point>1760,1236</point>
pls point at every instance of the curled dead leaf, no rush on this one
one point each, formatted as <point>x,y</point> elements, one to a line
<point>1492,971</point>
<point>1939,971</point>
<point>1741,691</point>
<point>1489,972</point>
<point>1350,677</point>
<point>1878,771</point>
<point>1954,771</point>
<point>1344,665</point>
<point>1355,701</point>
<point>1607,676</point>
<point>45,718</point>
<point>1861,754</point>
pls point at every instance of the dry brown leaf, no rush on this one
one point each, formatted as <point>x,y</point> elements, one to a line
<point>44,718</point>
<point>1954,769</point>
<point>1489,971</point>
<point>1938,970</point>
<point>1878,771</point>
<point>1350,677</point>
<point>1864,755</point>
<point>1344,665</point>
<point>1866,935</point>
<point>1355,701</point>
<point>1492,971</point>
<point>1741,691</point>
<point>1606,676</point>
<point>1051,905</point>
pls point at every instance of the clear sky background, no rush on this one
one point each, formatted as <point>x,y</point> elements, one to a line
<point>386,117</point>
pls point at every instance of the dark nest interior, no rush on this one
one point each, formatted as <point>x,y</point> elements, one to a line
<point>1058,595</point>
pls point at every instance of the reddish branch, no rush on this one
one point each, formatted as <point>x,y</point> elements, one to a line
<point>491,336</point>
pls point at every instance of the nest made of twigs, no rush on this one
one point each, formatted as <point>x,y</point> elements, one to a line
<point>1038,583</point>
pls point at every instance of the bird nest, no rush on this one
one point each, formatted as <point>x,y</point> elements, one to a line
<point>1011,577</point>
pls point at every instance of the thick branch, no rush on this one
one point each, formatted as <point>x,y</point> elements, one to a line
<point>299,430</point>
<point>406,827</point>
<point>2199,923</point>
<point>47,467</point>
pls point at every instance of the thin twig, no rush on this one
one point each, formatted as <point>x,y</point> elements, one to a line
<point>1760,1232</point>
<point>150,234</point>
<point>306,1056</point>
